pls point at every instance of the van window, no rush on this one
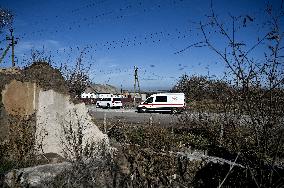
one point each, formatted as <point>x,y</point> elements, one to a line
<point>161,99</point>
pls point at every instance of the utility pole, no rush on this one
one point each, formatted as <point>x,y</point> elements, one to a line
<point>12,44</point>
<point>136,81</point>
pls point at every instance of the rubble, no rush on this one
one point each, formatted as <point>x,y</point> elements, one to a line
<point>35,176</point>
<point>41,91</point>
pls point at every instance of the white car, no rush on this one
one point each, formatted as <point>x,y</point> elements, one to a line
<point>110,102</point>
<point>163,102</point>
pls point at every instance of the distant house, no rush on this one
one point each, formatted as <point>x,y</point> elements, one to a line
<point>88,96</point>
<point>108,95</point>
<point>95,91</point>
<point>89,93</point>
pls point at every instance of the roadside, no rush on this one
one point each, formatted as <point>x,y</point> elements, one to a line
<point>131,117</point>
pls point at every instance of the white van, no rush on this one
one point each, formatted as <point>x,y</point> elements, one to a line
<point>163,102</point>
<point>109,102</point>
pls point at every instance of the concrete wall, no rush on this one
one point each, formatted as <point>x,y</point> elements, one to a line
<point>20,98</point>
<point>18,104</point>
<point>55,111</point>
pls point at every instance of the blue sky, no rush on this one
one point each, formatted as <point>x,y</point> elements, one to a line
<point>119,34</point>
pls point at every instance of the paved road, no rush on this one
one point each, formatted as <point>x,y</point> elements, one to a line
<point>130,116</point>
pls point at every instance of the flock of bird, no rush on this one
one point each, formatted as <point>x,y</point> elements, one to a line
<point>127,9</point>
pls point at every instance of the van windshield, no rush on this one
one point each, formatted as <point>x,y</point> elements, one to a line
<point>105,99</point>
<point>116,99</point>
<point>149,100</point>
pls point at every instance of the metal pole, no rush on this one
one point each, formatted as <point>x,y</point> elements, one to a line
<point>135,75</point>
<point>105,123</point>
<point>139,92</point>
<point>12,44</point>
<point>13,49</point>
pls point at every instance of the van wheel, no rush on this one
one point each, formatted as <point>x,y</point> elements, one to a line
<point>174,111</point>
<point>108,106</point>
<point>143,110</point>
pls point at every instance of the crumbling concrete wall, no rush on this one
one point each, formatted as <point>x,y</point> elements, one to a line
<point>4,128</point>
<point>20,98</point>
<point>55,111</point>
<point>6,76</point>
<point>39,94</point>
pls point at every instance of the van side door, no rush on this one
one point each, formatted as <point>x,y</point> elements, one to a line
<point>161,101</point>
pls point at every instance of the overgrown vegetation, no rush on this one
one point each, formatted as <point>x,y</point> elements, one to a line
<point>18,138</point>
<point>91,162</point>
<point>77,77</point>
<point>203,94</point>
<point>247,130</point>
<point>21,149</point>
<point>198,88</point>
<point>164,156</point>
<point>145,160</point>
<point>252,120</point>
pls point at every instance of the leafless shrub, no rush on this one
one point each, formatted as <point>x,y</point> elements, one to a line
<point>91,161</point>
<point>149,168</point>
<point>146,155</point>
<point>40,56</point>
<point>22,140</point>
<point>256,100</point>
<point>77,77</point>
<point>76,146</point>
<point>20,149</point>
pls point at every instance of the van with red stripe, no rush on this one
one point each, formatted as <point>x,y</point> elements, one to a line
<point>163,102</point>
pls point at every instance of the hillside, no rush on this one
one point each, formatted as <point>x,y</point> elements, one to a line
<point>100,88</point>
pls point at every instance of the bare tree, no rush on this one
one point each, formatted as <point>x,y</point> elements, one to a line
<point>257,98</point>
<point>77,77</point>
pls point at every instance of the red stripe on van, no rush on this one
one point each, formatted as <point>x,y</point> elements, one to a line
<point>161,104</point>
